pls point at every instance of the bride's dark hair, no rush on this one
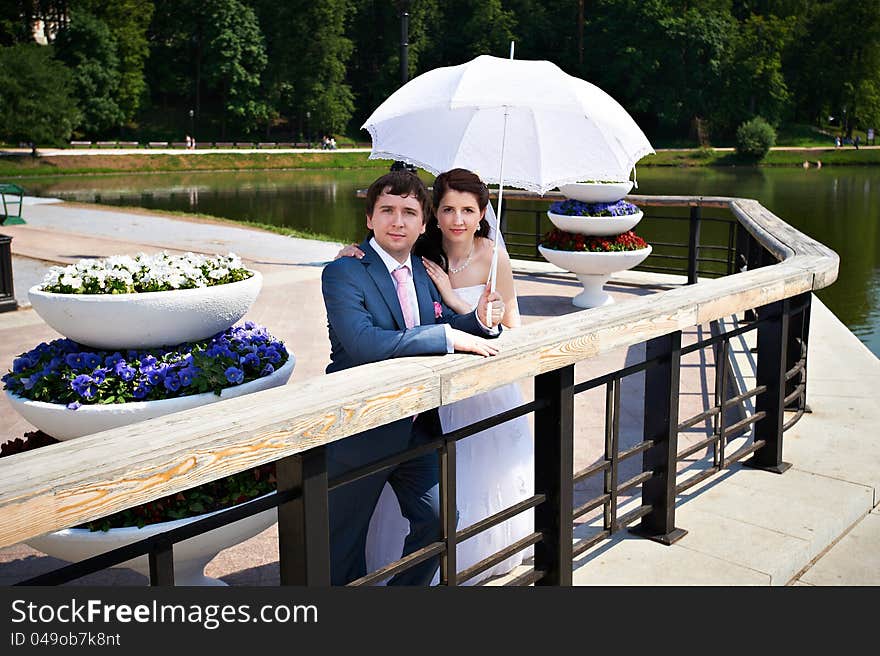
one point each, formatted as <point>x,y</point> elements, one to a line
<point>430,244</point>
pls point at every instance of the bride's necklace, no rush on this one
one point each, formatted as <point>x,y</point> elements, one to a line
<point>464,265</point>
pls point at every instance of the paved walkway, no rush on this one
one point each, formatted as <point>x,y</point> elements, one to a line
<point>816,525</point>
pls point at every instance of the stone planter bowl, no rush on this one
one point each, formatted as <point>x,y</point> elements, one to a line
<point>596,226</point>
<point>57,420</point>
<point>190,556</point>
<point>596,192</point>
<point>146,319</point>
<point>593,270</point>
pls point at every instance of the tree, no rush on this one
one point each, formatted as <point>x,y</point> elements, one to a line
<point>37,103</point>
<point>834,62</point>
<point>88,48</point>
<point>128,21</point>
<point>234,56</point>
<point>754,79</point>
<point>374,69</point>
<point>308,37</point>
<point>662,60</point>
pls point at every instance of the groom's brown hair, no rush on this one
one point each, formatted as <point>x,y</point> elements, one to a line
<point>400,183</point>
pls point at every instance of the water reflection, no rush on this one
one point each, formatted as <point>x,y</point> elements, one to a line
<point>838,206</point>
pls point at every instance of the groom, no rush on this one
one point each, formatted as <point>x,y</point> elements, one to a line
<point>378,307</point>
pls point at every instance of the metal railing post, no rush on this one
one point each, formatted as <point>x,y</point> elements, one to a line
<point>449,515</point>
<point>773,335</point>
<point>554,472</point>
<point>303,523</point>
<point>798,347</point>
<point>661,429</point>
<point>694,244</point>
<point>162,565</point>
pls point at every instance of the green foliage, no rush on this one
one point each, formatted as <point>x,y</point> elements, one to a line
<point>37,103</point>
<point>234,58</point>
<point>301,68</point>
<point>754,138</point>
<point>88,48</point>
<point>128,21</point>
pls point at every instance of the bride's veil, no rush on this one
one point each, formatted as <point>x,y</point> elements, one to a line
<point>492,220</point>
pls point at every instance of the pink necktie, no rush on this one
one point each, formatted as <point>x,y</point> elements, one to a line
<point>401,277</point>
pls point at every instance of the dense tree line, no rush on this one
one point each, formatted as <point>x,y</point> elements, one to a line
<point>289,71</point>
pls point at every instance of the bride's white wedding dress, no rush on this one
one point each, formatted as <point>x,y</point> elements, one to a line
<point>495,470</point>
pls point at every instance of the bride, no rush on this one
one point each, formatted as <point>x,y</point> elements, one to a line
<point>495,468</point>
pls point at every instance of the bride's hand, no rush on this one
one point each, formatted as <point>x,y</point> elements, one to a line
<point>351,250</point>
<point>440,279</point>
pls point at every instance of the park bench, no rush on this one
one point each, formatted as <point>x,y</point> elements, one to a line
<point>224,144</point>
<point>10,204</point>
<point>157,144</point>
<point>285,144</point>
<point>81,144</point>
<point>128,144</point>
<point>267,144</point>
<point>179,144</point>
<point>106,144</point>
<point>244,144</point>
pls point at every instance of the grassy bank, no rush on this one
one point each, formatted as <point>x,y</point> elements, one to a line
<point>848,156</point>
<point>14,166</point>
<point>25,165</point>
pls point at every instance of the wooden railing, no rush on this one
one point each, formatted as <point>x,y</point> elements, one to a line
<point>90,477</point>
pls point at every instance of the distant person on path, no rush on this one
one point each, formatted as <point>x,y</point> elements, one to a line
<point>856,141</point>
<point>837,142</point>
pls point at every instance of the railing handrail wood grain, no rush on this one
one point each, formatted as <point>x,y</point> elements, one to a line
<point>80,480</point>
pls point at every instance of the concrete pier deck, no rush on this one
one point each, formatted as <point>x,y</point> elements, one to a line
<point>817,524</point>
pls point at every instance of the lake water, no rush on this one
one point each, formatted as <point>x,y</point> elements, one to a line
<point>839,207</point>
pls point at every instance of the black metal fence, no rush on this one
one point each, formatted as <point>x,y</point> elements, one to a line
<point>647,472</point>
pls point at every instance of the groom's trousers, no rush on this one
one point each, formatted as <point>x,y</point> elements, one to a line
<point>415,483</point>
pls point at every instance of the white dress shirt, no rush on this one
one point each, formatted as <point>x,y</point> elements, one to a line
<point>391,264</point>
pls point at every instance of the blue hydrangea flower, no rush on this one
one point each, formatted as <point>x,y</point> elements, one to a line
<point>234,375</point>
<point>140,391</point>
<point>268,369</point>
<point>92,360</point>
<point>20,364</point>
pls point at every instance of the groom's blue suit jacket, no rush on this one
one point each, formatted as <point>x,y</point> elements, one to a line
<point>364,316</point>
<point>366,325</point>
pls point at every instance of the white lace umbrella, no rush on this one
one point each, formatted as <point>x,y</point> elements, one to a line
<point>559,128</point>
<point>517,122</point>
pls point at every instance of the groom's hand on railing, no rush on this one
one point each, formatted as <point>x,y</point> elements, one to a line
<point>466,343</point>
<point>494,301</point>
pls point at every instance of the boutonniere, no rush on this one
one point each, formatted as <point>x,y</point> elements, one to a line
<point>438,310</point>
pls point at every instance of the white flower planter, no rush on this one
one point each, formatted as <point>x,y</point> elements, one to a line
<point>597,192</point>
<point>596,226</point>
<point>57,420</point>
<point>190,556</point>
<point>146,319</point>
<point>593,270</point>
